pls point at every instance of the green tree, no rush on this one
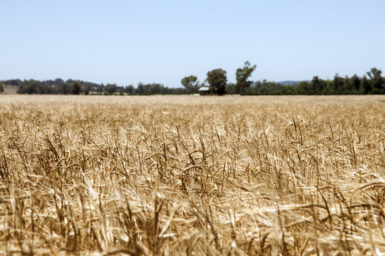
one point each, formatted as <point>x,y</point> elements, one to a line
<point>86,90</point>
<point>140,88</point>
<point>365,85</point>
<point>304,88</point>
<point>217,81</point>
<point>376,81</point>
<point>191,84</point>
<point>75,88</point>
<point>130,89</point>
<point>338,84</point>
<point>242,75</point>
<point>347,86</point>
<point>1,87</point>
<point>231,88</point>
<point>110,89</point>
<point>356,84</point>
<point>317,86</point>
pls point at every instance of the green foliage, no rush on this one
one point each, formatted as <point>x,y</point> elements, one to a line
<point>365,85</point>
<point>35,87</point>
<point>242,75</point>
<point>110,89</point>
<point>129,89</point>
<point>356,85</point>
<point>191,84</point>
<point>339,85</point>
<point>59,86</point>
<point>231,88</point>
<point>371,83</point>
<point>85,89</point>
<point>75,88</point>
<point>267,88</point>
<point>217,81</point>
<point>376,81</point>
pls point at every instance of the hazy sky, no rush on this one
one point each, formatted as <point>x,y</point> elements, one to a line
<point>125,42</point>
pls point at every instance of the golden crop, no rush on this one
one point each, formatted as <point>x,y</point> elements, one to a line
<point>185,175</point>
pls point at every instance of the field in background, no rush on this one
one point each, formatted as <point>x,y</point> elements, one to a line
<point>187,175</point>
<point>10,89</point>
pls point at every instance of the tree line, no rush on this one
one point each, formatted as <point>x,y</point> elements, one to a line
<point>215,84</point>
<point>59,86</point>
<point>371,83</point>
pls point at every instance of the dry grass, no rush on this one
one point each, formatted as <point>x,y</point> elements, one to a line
<point>192,175</point>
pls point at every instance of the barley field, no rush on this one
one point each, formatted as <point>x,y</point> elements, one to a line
<point>187,175</point>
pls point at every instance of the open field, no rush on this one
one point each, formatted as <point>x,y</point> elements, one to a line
<point>186,175</point>
<point>10,90</point>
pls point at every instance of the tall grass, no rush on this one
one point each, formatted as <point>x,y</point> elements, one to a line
<point>192,175</point>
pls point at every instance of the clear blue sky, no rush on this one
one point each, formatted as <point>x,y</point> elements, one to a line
<point>125,42</point>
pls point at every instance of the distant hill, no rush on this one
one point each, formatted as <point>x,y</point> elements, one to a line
<point>286,82</point>
<point>289,82</point>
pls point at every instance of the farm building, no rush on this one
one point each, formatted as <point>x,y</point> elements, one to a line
<point>204,90</point>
